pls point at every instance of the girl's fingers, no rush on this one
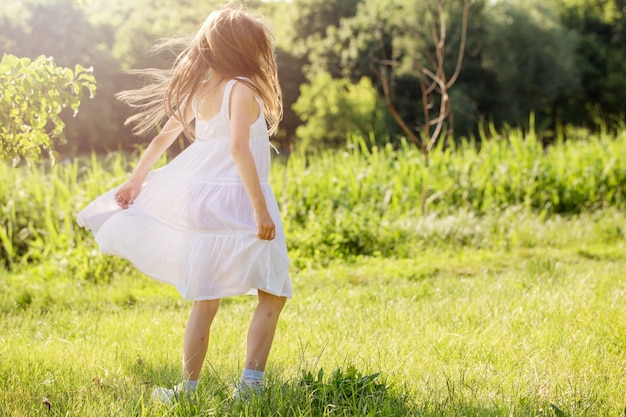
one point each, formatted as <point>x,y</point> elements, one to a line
<point>125,197</point>
<point>267,233</point>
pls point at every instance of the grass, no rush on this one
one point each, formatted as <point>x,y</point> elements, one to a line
<point>358,201</point>
<point>531,326</point>
<point>505,299</point>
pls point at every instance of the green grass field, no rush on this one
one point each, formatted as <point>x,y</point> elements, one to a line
<point>535,329</point>
<point>506,298</point>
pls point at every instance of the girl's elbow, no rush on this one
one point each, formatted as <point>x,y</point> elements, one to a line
<point>238,149</point>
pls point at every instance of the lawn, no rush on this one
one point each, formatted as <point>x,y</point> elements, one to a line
<point>532,325</point>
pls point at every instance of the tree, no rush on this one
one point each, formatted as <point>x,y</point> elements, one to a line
<point>26,31</point>
<point>433,79</point>
<point>334,109</point>
<point>532,57</point>
<point>399,33</point>
<point>413,42</point>
<point>32,95</point>
<point>134,27</point>
<point>301,25</point>
<point>314,17</point>
<point>600,57</point>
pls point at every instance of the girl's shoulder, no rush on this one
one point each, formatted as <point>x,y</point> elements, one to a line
<point>244,101</point>
<point>247,86</point>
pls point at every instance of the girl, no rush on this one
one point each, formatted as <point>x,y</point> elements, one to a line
<point>207,222</point>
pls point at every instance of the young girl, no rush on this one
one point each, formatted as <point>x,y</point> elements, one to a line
<point>207,222</point>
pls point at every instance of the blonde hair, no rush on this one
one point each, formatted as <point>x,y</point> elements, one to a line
<point>230,42</point>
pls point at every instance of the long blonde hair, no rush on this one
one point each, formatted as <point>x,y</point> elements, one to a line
<point>230,42</point>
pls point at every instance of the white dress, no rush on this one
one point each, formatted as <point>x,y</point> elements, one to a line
<point>193,225</point>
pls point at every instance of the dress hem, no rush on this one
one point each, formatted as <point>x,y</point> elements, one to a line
<point>251,291</point>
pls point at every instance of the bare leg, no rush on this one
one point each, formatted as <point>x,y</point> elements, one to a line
<point>262,329</point>
<point>196,339</point>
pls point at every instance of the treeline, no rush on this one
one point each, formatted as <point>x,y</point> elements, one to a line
<point>562,60</point>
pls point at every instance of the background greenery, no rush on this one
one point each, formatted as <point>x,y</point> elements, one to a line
<point>564,60</point>
<point>33,94</point>
<point>364,200</point>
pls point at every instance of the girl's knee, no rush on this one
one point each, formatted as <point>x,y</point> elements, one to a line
<point>207,307</point>
<point>271,301</point>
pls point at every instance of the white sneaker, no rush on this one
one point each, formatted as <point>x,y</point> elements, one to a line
<point>244,391</point>
<point>168,395</point>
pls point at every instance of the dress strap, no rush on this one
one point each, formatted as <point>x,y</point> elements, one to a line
<point>194,106</point>
<point>226,99</point>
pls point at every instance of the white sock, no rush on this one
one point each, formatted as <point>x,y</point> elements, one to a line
<point>252,377</point>
<point>189,386</point>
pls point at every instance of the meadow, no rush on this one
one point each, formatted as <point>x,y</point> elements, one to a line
<point>504,298</point>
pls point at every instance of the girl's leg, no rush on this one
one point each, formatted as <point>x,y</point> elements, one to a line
<point>196,339</point>
<point>262,329</point>
<point>196,342</point>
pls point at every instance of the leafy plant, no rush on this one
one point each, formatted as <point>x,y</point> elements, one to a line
<point>33,93</point>
<point>360,201</point>
<point>342,386</point>
<point>334,109</point>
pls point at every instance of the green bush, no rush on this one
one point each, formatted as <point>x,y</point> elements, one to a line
<point>334,109</point>
<point>362,200</point>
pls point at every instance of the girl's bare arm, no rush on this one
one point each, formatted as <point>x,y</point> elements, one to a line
<point>131,189</point>
<point>244,110</point>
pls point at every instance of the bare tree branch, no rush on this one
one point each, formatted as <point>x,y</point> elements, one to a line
<point>459,62</point>
<point>394,113</point>
<point>444,110</point>
<point>433,82</point>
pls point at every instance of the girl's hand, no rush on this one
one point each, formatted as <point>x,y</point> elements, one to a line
<point>266,229</point>
<point>127,193</point>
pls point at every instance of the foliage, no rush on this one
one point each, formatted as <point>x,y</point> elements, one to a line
<point>608,11</point>
<point>291,80</point>
<point>366,201</point>
<point>26,31</point>
<point>314,17</point>
<point>347,390</point>
<point>32,95</point>
<point>537,74</point>
<point>564,58</point>
<point>334,109</point>
<point>520,57</point>
<point>398,33</point>
<point>601,57</point>
<point>38,207</point>
<point>135,27</point>
<point>526,326</point>
<point>362,200</point>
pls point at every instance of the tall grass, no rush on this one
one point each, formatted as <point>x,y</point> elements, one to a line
<point>358,201</point>
<point>38,207</point>
<point>366,201</point>
<point>584,173</point>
